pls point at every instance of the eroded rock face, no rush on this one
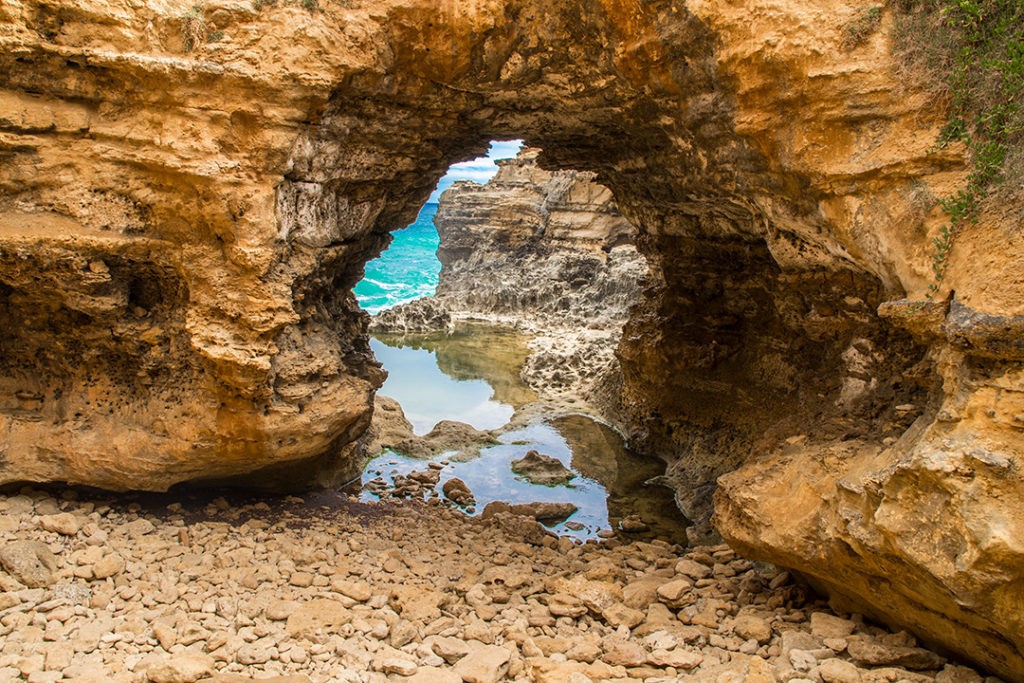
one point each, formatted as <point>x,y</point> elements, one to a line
<point>545,251</point>
<point>538,244</point>
<point>180,231</point>
<point>943,504</point>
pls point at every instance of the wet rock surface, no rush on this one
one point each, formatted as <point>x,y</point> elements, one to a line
<point>326,589</point>
<point>542,469</point>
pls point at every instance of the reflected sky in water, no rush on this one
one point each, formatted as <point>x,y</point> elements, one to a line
<point>453,377</point>
<point>490,478</point>
<point>427,395</point>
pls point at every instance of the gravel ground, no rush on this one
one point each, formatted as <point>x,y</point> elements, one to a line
<point>175,589</point>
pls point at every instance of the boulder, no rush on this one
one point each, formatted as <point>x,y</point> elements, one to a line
<point>456,491</point>
<point>30,562</point>
<point>542,469</point>
<point>545,513</point>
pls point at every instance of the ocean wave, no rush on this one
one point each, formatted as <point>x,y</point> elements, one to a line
<point>407,271</point>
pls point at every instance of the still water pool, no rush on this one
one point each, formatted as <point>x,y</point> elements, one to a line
<point>473,376</point>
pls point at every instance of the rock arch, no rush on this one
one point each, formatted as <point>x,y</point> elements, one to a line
<point>780,181</point>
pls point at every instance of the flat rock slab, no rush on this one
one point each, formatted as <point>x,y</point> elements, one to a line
<point>320,615</point>
<point>486,664</point>
<point>181,668</point>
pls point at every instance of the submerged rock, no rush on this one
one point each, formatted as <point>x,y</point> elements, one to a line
<point>542,469</point>
<point>546,513</point>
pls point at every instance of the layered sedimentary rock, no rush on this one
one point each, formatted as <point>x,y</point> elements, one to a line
<point>189,193</point>
<point>548,251</point>
<point>535,243</point>
<point>530,245</point>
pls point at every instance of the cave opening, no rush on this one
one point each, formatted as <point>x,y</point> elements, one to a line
<point>755,325</point>
<point>780,188</point>
<point>495,315</point>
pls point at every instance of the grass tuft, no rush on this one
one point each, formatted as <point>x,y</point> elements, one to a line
<point>970,52</point>
<point>860,29</point>
<point>193,26</point>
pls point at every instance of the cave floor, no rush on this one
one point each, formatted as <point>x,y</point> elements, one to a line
<point>326,588</point>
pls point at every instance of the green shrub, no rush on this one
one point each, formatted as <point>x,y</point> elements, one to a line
<point>861,28</point>
<point>193,26</point>
<point>971,52</point>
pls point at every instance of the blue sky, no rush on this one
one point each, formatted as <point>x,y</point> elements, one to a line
<point>478,170</point>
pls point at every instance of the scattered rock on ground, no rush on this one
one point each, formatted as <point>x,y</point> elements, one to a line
<point>290,591</point>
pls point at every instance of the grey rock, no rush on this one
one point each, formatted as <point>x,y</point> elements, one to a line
<point>30,562</point>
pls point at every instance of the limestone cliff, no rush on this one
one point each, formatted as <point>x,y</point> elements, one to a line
<point>539,244</point>
<point>189,194</point>
<point>547,251</point>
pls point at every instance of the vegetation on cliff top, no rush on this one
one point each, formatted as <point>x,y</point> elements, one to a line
<point>973,52</point>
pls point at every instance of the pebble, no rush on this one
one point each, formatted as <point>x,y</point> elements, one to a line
<point>297,594</point>
<point>402,667</point>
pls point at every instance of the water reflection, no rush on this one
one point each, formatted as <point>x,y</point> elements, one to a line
<point>473,376</point>
<point>433,380</point>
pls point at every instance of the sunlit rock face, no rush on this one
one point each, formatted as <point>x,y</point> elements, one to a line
<point>180,231</point>
<point>538,244</point>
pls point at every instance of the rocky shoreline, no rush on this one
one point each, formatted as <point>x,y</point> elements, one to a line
<point>177,589</point>
<point>544,252</point>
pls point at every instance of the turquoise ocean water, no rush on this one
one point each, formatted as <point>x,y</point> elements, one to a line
<point>408,270</point>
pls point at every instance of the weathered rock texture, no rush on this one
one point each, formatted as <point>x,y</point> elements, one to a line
<point>545,251</point>
<point>179,232</point>
<point>538,243</point>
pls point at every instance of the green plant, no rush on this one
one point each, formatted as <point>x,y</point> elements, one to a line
<point>311,5</point>
<point>193,26</point>
<point>861,28</point>
<point>971,51</point>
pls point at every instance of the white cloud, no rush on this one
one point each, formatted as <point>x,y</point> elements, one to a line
<point>478,170</point>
